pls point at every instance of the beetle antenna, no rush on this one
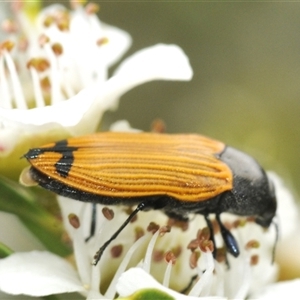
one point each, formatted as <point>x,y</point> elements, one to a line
<point>275,223</point>
<point>99,253</point>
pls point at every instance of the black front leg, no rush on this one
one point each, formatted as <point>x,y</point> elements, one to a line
<point>229,240</point>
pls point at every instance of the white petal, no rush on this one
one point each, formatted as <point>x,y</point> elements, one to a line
<point>67,113</point>
<point>280,290</point>
<point>157,62</point>
<point>5,296</point>
<point>9,137</point>
<point>160,62</point>
<point>119,42</point>
<point>287,209</point>
<point>87,29</point>
<point>136,279</point>
<point>37,274</point>
<point>81,209</point>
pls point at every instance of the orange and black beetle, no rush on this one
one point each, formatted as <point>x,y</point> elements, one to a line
<point>178,174</point>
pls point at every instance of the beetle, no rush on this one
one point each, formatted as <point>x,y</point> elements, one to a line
<point>180,174</point>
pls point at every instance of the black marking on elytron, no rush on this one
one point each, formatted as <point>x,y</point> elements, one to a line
<point>64,165</point>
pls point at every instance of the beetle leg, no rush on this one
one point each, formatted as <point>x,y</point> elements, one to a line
<point>93,222</point>
<point>212,235</point>
<point>97,256</point>
<point>230,242</point>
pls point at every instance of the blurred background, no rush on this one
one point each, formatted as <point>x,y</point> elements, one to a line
<point>246,85</point>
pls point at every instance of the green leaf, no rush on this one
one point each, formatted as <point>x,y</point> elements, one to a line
<point>5,250</point>
<point>19,201</point>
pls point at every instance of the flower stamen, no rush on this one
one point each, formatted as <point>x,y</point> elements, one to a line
<point>170,258</point>
<point>205,278</point>
<point>5,95</point>
<point>149,252</point>
<point>20,102</point>
<point>110,292</point>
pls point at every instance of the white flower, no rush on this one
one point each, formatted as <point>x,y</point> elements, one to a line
<point>162,255</point>
<point>65,90</point>
<point>280,290</point>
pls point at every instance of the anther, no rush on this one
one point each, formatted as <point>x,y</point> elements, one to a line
<point>102,41</point>
<point>252,244</point>
<point>48,21</point>
<point>22,44</point>
<point>158,255</point>
<point>203,234</point>
<point>177,250</point>
<point>9,26</point>
<point>7,45</point>
<point>57,49</point>
<point>40,64</point>
<point>158,126</point>
<point>74,220</point>
<point>206,246</point>
<point>170,257</point>
<point>163,230</point>
<point>92,8</point>
<point>221,255</point>
<point>152,227</point>
<point>43,39</point>
<point>45,84</point>
<point>108,213</point>
<point>116,251</point>
<point>193,245</point>
<point>139,232</point>
<point>254,260</point>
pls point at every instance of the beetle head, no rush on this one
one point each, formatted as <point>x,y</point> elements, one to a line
<point>265,218</point>
<point>253,192</point>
